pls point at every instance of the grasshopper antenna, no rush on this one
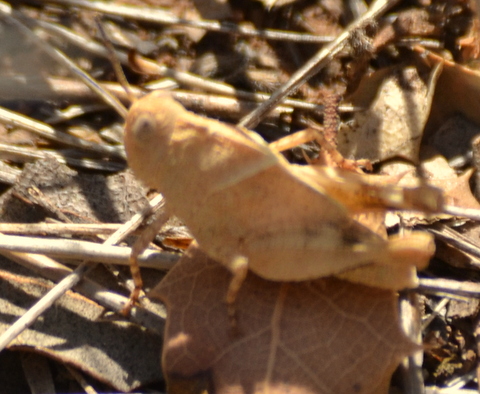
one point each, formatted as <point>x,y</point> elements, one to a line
<point>117,67</point>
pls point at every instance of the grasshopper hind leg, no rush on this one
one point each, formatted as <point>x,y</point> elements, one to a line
<point>238,266</point>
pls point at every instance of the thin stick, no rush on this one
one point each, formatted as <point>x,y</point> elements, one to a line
<point>156,15</point>
<point>185,78</point>
<point>42,305</point>
<point>87,387</point>
<point>114,60</point>
<point>75,249</point>
<point>150,317</point>
<point>469,213</point>
<point>447,287</point>
<point>22,155</point>
<point>59,228</point>
<point>44,130</point>
<point>316,63</point>
<point>68,282</point>
<point>454,238</point>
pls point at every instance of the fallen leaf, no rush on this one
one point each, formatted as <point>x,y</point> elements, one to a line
<point>80,197</point>
<point>213,9</point>
<point>456,92</point>
<point>460,309</point>
<point>322,336</point>
<point>397,105</point>
<point>456,187</point>
<point>120,354</point>
<point>437,172</point>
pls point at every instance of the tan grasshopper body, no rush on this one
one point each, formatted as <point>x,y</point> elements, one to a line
<point>242,200</point>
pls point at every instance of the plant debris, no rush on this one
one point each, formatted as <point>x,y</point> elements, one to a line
<point>375,103</point>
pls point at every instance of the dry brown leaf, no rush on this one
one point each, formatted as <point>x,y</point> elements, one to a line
<point>456,188</point>
<point>397,105</point>
<point>118,353</point>
<point>323,336</point>
<point>213,9</point>
<point>80,197</point>
<point>241,200</point>
<point>456,92</point>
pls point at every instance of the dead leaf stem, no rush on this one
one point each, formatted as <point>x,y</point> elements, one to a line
<point>26,155</point>
<point>185,78</point>
<point>276,333</point>
<point>448,287</point>
<point>156,15</point>
<point>44,130</point>
<point>76,249</point>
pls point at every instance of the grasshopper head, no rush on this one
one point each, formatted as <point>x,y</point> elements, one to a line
<point>149,126</point>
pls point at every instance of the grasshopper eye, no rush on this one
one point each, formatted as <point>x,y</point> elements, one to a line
<point>143,128</point>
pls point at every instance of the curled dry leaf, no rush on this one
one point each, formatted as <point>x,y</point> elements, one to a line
<point>241,200</point>
<point>322,336</point>
<point>397,105</point>
<point>455,188</point>
<point>456,92</point>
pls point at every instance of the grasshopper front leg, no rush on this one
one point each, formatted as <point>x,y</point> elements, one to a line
<point>140,245</point>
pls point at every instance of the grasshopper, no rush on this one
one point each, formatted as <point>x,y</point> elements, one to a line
<point>249,208</point>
